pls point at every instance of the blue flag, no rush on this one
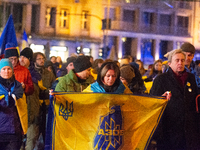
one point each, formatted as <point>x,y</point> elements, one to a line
<point>25,36</point>
<point>8,35</point>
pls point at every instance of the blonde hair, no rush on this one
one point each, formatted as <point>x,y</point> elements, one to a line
<point>174,52</point>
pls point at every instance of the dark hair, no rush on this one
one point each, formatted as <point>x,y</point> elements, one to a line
<point>36,54</point>
<point>102,72</point>
<point>95,65</point>
<point>153,67</point>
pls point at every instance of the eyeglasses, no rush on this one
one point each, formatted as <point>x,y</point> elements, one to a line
<point>40,59</point>
<point>13,59</point>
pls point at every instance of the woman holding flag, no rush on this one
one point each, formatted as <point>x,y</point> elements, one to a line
<point>108,81</point>
<point>12,125</point>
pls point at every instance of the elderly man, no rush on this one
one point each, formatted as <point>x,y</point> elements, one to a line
<point>178,127</point>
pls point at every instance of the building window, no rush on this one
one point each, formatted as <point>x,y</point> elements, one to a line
<point>165,20</point>
<point>50,17</point>
<point>111,15</point>
<point>183,22</point>
<point>85,20</point>
<point>64,18</point>
<point>128,15</point>
<point>147,18</point>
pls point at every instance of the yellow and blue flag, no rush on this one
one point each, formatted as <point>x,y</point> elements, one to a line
<point>8,36</point>
<point>97,121</point>
<point>24,40</point>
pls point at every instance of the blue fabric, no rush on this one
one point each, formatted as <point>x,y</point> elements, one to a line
<point>36,76</point>
<point>8,35</point>
<point>16,89</point>
<point>95,87</point>
<point>49,128</point>
<point>5,62</point>
<point>9,119</point>
<point>194,72</point>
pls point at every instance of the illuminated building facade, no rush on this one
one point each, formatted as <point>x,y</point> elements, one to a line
<point>145,29</point>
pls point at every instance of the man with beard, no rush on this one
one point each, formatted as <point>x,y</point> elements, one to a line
<point>178,128</point>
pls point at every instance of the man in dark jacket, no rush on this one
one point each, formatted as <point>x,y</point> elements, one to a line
<point>190,65</point>
<point>178,127</point>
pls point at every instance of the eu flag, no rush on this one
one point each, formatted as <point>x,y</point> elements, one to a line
<point>8,35</point>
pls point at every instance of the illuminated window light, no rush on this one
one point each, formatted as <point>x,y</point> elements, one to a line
<point>127,1</point>
<point>58,48</point>
<point>37,48</point>
<point>86,50</point>
<point>124,39</point>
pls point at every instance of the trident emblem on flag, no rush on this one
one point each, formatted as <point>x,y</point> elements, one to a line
<point>66,112</point>
<point>110,133</point>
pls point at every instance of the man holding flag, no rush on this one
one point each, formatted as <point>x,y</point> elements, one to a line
<point>178,128</point>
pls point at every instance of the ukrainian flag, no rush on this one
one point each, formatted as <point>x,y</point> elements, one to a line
<point>24,40</point>
<point>97,121</point>
<point>8,36</point>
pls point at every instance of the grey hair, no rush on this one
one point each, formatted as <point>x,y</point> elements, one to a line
<point>174,52</point>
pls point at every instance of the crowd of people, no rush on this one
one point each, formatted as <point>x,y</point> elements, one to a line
<point>30,78</point>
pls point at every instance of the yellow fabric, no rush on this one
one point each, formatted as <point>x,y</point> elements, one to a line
<point>2,96</point>
<point>126,91</point>
<point>23,112</point>
<point>148,86</point>
<point>93,74</point>
<point>76,126</point>
<point>40,84</point>
<point>144,77</point>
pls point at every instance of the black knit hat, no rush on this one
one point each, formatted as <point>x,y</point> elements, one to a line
<point>11,50</point>
<point>27,52</point>
<point>187,47</point>
<point>70,59</point>
<point>81,63</point>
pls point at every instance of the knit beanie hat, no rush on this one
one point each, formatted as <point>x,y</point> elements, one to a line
<point>11,50</point>
<point>27,52</point>
<point>187,47</point>
<point>81,63</point>
<point>69,60</point>
<point>5,62</point>
<point>127,72</point>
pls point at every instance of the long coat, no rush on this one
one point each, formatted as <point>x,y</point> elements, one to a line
<point>178,128</point>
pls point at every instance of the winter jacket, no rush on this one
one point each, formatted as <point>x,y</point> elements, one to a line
<point>70,83</point>
<point>195,72</point>
<point>22,74</point>
<point>13,110</point>
<point>97,88</point>
<point>178,127</point>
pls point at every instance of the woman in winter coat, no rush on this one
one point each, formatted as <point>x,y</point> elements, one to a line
<point>12,126</point>
<point>108,80</point>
